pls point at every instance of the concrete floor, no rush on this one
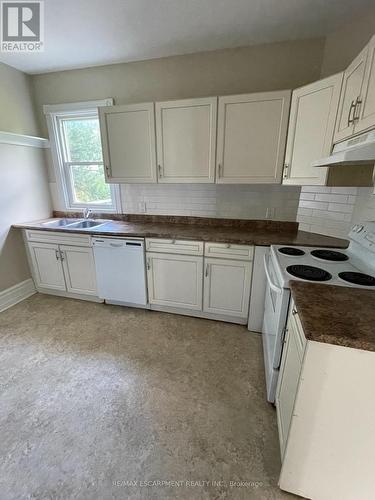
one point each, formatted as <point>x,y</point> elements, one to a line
<point>96,397</point>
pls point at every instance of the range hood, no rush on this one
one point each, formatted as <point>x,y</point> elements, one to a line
<point>359,150</point>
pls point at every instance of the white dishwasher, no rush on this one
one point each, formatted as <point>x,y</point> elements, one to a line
<point>120,270</point>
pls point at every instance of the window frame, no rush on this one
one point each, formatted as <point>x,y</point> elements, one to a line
<point>55,115</point>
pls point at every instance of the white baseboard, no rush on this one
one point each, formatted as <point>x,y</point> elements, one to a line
<point>11,296</point>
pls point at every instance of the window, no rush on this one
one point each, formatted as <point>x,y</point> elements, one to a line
<point>75,135</point>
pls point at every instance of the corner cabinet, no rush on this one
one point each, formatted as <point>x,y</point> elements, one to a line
<point>186,140</point>
<point>128,143</point>
<point>310,132</point>
<point>251,137</point>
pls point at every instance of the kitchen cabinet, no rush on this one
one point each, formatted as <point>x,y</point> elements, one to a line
<point>288,379</point>
<point>366,113</point>
<point>325,417</point>
<point>251,137</point>
<point>186,140</point>
<point>357,102</point>
<point>79,269</point>
<point>175,280</point>
<point>310,132</point>
<point>227,287</point>
<point>128,143</point>
<point>48,272</point>
<point>350,95</point>
<point>62,263</point>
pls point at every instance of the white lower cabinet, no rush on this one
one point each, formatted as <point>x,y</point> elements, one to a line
<point>175,280</point>
<point>48,272</point>
<point>62,267</point>
<point>227,287</point>
<point>325,416</point>
<point>288,381</point>
<point>79,269</point>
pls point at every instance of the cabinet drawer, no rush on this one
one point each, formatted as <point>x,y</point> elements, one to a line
<point>82,240</point>
<point>174,246</point>
<point>229,251</point>
<point>300,336</point>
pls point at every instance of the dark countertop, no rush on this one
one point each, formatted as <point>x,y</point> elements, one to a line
<point>337,315</point>
<point>263,233</point>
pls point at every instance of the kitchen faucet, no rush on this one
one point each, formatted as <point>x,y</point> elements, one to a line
<point>86,213</point>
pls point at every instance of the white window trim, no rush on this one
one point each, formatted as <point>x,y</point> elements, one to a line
<point>53,113</point>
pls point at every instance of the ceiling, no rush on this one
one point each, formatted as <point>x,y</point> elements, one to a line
<point>81,33</point>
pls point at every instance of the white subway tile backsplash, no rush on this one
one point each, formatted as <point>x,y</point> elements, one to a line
<point>210,200</point>
<point>345,207</point>
<point>340,207</point>
<point>313,204</point>
<point>335,198</point>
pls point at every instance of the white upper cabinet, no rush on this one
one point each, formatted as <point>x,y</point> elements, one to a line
<point>128,141</point>
<point>350,97</point>
<point>251,137</point>
<point>186,140</point>
<point>310,133</point>
<point>366,111</point>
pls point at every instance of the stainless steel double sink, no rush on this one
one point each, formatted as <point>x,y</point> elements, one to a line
<point>75,223</point>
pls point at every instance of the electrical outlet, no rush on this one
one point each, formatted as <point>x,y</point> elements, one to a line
<point>142,206</point>
<point>270,212</point>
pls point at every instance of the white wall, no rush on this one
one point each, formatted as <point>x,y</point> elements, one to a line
<point>24,196</point>
<point>24,193</point>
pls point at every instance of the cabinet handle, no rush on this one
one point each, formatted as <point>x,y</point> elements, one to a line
<point>286,171</point>
<point>148,265</point>
<point>108,170</point>
<point>207,270</point>
<point>294,311</point>
<point>352,108</point>
<point>358,103</point>
<point>220,170</point>
<point>57,254</point>
<point>62,256</point>
<point>160,170</point>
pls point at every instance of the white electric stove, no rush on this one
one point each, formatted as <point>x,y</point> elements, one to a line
<point>352,267</point>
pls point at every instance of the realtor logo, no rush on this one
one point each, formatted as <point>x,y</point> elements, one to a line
<point>22,26</point>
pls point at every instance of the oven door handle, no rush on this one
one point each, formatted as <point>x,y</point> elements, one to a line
<point>273,287</point>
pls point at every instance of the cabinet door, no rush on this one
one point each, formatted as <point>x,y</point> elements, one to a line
<point>175,280</point>
<point>288,382</point>
<point>251,137</point>
<point>227,287</point>
<point>128,141</point>
<point>310,132</point>
<point>351,90</point>
<point>186,140</point>
<point>79,269</point>
<point>47,268</point>
<point>366,111</point>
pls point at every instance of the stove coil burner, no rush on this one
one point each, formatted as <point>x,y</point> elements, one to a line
<point>291,251</point>
<point>329,255</point>
<point>358,278</point>
<point>309,273</point>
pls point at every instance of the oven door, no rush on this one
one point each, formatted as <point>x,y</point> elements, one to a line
<point>275,314</point>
